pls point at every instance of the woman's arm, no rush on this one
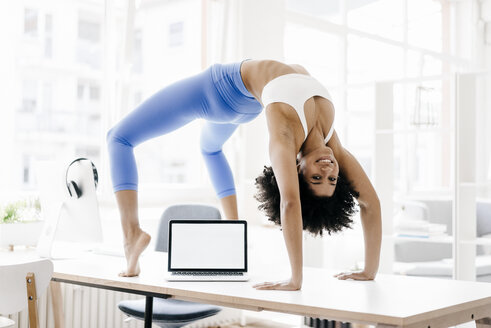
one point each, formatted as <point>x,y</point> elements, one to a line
<point>229,206</point>
<point>282,152</point>
<point>369,209</point>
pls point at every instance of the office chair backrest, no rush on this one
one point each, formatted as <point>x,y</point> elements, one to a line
<point>182,212</point>
<point>483,218</point>
<point>13,286</point>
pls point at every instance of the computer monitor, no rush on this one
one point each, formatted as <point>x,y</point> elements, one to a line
<point>67,219</point>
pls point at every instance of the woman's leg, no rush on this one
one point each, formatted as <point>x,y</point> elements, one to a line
<point>135,239</point>
<point>213,136</point>
<point>166,111</point>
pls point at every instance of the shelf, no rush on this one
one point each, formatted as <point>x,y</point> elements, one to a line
<point>443,240</point>
<point>477,241</point>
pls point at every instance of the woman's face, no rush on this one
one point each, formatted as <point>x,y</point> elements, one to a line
<point>320,170</point>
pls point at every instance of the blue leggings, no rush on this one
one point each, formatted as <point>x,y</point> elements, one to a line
<point>217,95</point>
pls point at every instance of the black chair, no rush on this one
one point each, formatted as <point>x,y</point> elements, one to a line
<point>171,313</point>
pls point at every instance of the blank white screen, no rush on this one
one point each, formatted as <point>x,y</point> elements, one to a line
<point>207,246</point>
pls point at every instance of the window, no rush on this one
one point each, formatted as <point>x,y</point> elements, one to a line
<point>88,91</point>
<point>30,22</point>
<point>381,40</point>
<point>89,31</point>
<point>94,93</point>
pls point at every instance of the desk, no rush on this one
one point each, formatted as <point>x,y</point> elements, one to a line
<point>390,300</point>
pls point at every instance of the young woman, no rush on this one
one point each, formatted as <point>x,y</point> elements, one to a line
<point>312,179</point>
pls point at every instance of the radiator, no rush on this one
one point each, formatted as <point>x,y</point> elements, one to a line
<point>86,307</point>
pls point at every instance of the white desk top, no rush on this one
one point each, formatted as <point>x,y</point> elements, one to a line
<point>390,299</point>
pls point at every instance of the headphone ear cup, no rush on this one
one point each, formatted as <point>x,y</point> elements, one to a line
<point>74,190</point>
<point>96,175</point>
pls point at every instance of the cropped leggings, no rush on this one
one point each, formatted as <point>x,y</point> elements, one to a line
<point>217,95</point>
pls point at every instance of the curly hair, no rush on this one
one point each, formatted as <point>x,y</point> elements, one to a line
<point>319,213</point>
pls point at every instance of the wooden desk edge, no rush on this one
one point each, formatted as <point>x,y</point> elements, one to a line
<point>441,320</point>
<point>247,304</point>
<point>478,313</point>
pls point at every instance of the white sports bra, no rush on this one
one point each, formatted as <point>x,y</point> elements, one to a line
<point>295,89</point>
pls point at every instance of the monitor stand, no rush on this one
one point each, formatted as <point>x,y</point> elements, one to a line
<point>49,247</point>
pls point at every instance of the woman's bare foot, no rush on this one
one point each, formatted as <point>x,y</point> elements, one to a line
<point>133,248</point>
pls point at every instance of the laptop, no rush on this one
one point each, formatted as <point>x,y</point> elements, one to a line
<point>207,250</point>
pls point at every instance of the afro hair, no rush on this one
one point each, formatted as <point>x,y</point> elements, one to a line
<point>319,213</point>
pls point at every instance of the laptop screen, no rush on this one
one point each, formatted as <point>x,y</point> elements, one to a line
<point>207,245</point>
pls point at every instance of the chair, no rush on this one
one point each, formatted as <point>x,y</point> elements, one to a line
<point>172,313</point>
<point>21,284</point>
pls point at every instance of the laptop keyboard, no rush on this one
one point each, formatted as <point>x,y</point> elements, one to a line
<point>208,273</point>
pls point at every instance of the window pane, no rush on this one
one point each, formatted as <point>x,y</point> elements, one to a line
<point>382,17</point>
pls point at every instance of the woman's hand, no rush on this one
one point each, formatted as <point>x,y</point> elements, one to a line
<point>361,275</point>
<point>279,285</point>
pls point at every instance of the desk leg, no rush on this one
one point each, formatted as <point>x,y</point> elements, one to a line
<point>57,302</point>
<point>483,323</point>
<point>148,311</point>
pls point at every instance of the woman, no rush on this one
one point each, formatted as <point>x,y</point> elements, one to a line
<point>293,193</point>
